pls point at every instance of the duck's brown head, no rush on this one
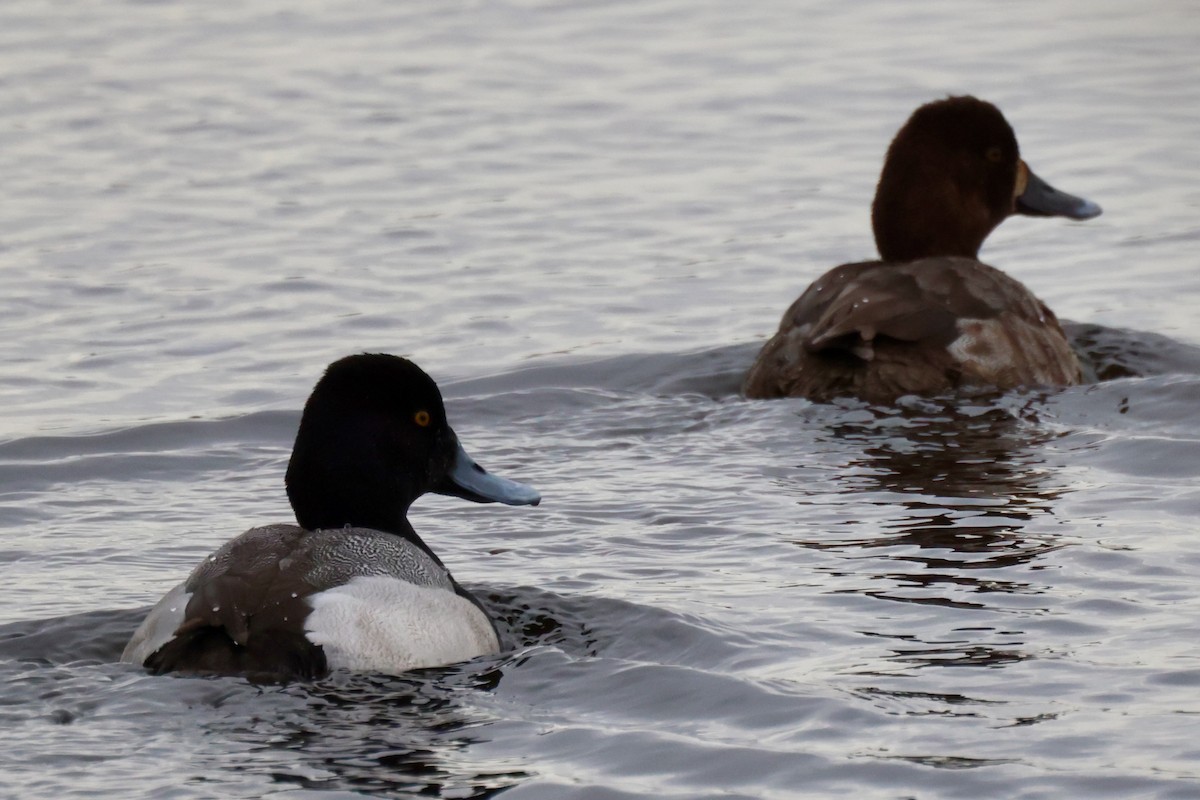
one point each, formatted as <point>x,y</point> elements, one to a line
<point>952,174</point>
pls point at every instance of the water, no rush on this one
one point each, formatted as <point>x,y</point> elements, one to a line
<point>583,219</point>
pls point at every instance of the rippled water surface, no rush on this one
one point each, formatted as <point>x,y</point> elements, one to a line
<point>582,219</point>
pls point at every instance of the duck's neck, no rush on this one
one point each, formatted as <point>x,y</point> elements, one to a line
<point>332,513</point>
<point>925,222</point>
<point>345,510</point>
<point>331,495</point>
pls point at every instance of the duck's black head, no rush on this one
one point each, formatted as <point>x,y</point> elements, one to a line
<point>373,438</point>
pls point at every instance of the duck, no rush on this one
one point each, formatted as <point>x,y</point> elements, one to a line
<point>928,317</point>
<point>351,586</point>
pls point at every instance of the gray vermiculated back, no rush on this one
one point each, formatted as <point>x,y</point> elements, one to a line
<point>336,556</point>
<point>323,558</point>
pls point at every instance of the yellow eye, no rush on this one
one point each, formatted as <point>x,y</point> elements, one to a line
<point>995,155</point>
<point>422,418</point>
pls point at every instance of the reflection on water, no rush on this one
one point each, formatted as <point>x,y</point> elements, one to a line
<point>386,736</point>
<point>955,705</point>
<point>953,449</point>
<point>976,478</point>
<point>957,485</point>
<point>960,482</point>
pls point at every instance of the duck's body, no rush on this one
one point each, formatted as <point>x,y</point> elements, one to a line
<point>283,601</point>
<point>880,331</point>
<point>355,588</point>
<point>929,317</point>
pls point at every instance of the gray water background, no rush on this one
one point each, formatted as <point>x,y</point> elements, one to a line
<point>582,219</point>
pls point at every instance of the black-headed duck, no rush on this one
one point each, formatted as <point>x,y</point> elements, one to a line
<point>929,316</point>
<point>352,586</point>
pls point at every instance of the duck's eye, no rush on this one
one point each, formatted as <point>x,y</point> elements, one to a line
<point>422,418</point>
<point>995,155</point>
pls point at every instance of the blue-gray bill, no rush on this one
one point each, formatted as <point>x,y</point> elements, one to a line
<point>470,481</point>
<point>1040,199</point>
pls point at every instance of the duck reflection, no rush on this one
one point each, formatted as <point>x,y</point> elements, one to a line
<point>956,496</point>
<point>961,482</point>
<point>383,736</point>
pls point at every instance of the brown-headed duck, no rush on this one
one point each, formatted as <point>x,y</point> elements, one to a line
<point>929,316</point>
<point>352,586</point>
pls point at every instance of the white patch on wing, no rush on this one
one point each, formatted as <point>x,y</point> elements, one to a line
<point>983,345</point>
<point>158,627</point>
<point>380,624</point>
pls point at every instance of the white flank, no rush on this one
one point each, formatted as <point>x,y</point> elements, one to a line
<point>381,624</point>
<point>982,343</point>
